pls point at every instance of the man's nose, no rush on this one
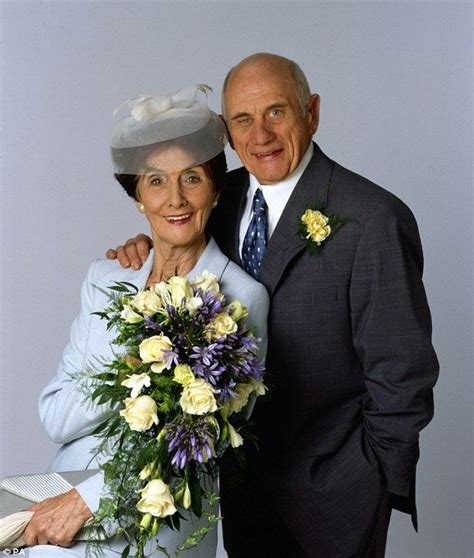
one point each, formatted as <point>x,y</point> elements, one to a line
<point>261,133</point>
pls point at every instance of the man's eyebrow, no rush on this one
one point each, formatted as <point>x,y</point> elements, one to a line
<point>239,115</point>
<point>270,107</point>
<point>276,105</point>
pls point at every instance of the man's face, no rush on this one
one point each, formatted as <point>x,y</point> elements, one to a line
<point>266,122</point>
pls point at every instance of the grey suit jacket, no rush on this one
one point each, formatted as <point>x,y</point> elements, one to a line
<point>350,355</point>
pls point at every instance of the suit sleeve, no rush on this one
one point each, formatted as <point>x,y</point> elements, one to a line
<point>392,338</point>
<point>64,411</point>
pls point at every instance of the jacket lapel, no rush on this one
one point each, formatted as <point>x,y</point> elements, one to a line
<point>311,191</point>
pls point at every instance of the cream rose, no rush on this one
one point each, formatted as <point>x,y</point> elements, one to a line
<point>316,224</point>
<point>156,499</point>
<point>183,374</point>
<point>180,289</point>
<point>237,311</point>
<point>207,282</point>
<point>130,316</point>
<point>147,302</point>
<point>198,398</point>
<point>258,387</point>
<point>236,404</point>
<point>221,326</point>
<point>136,382</point>
<point>151,350</point>
<point>140,412</point>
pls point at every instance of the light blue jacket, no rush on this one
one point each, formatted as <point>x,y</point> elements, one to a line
<point>65,415</point>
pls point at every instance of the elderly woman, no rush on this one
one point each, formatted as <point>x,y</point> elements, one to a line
<point>168,156</point>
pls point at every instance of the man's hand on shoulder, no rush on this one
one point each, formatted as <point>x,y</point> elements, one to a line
<point>133,253</point>
<point>57,520</point>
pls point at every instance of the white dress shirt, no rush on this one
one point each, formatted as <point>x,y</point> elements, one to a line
<point>276,196</point>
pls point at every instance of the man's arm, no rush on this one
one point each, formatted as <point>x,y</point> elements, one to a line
<point>57,520</point>
<point>133,253</point>
<point>392,337</point>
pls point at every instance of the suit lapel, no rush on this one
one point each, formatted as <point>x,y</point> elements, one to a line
<point>311,191</point>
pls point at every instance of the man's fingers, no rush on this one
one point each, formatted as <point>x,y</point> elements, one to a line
<point>133,253</point>
<point>143,244</point>
<point>124,257</point>
<point>111,254</point>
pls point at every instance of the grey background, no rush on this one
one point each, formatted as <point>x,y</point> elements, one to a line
<point>396,87</point>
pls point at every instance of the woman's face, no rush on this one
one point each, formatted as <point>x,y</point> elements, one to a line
<point>177,204</point>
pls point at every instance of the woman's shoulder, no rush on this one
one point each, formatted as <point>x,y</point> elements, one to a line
<point>108,271</point>
<point>241,283</point>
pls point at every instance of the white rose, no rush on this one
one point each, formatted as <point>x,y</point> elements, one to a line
<point>151,350</point>
<point>193,304</point>
<point>129,315</point>
<point>198,398</point>
<point>147,302</point>
<point>156,499</point>
<point>207,282</point>
<point>140,412</point>
<point>180,289</point>
<point>136,382</point>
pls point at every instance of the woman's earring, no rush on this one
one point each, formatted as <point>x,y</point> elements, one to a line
<point>141,208</point>
<point>214,204</point>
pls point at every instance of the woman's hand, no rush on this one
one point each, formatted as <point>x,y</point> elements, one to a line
<point>133,253</point>
<point>57,520</point>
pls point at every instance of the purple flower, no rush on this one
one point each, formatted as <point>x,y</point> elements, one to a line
<point>190,441</point>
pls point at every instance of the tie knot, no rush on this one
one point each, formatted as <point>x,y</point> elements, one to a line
<point>259,203</point>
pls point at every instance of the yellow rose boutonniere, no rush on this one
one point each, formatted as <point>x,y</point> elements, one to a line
<point>317,228</point>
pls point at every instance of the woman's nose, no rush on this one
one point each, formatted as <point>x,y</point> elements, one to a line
<point>177,197</point>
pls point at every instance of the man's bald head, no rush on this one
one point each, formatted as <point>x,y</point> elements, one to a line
<point>270,114</point>
<point>272,62</point>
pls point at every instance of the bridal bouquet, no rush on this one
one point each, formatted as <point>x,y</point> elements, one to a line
<point>187,367</point>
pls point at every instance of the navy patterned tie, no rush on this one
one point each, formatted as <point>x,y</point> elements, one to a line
<point>255,239</point>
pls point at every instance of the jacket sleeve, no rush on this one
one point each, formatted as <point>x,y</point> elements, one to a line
<point>64,411</point>
<point>392,338</point>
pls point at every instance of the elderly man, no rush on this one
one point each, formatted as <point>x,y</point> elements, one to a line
<point>350,357</point>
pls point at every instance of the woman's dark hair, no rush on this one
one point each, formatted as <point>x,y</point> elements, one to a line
<point>215,168</point>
